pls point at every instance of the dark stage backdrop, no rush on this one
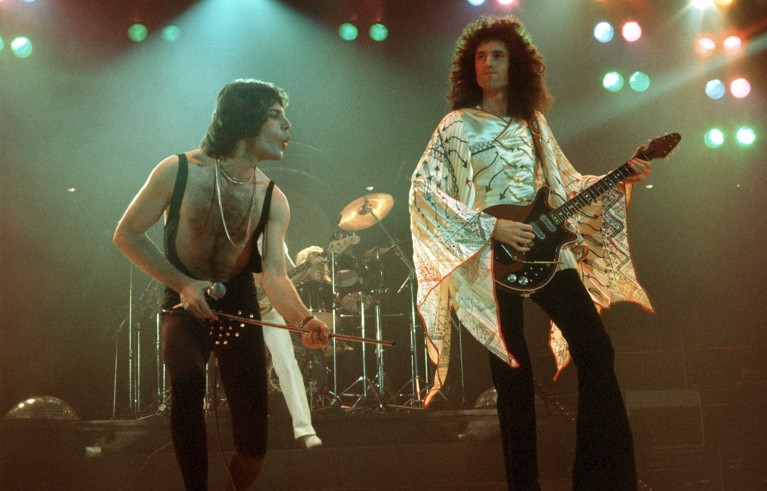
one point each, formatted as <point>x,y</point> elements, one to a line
<point>85,119</point>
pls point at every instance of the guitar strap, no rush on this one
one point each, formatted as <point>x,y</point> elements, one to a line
<point>538,147</point>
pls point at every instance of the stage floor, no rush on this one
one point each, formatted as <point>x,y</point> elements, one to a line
<point>390,449</point>
<point>364,449</point>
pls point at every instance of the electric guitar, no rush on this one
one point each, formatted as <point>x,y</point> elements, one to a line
<point>335,247</point>
<point>525,273</point>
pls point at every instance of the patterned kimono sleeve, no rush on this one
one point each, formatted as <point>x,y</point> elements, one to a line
<point>604,259</point>
<point>446,231</point>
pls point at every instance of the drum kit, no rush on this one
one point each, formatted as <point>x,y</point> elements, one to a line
<point>348,297</point>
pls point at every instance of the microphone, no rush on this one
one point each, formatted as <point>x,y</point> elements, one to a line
<point>216,291</point>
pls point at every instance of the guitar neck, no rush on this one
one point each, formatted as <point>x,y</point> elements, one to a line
<point>590,194</point>
<point>299,269</point>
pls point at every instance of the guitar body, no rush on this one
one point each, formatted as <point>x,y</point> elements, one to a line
<point>527,272</point>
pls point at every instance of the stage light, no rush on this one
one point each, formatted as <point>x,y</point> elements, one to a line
<point>507,2</point>
<point>732,45</point>
<point>631,31</point>
<point>705,46</point>
<point>21,47</point>
<point>2,45</point>
<point>724,3</point>
<point>170,33</point>
<point>714,138</point>
<point>740,88</point>
<point>348,31</point>
<point>745,136</point>
<point>613,81</point>
<point>476,3</point>
<point>604,32</point>
<point>715,89</point>
<point>378,32</point>
<point>639,81</point>
<point>137,32</point>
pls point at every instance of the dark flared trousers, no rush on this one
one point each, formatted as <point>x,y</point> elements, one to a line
<point>604,455</point>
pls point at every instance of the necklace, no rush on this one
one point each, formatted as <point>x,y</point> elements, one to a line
<point>235,180</point>
<point>221,208</point>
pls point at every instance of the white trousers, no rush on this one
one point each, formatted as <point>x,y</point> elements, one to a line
<point>280,346</point>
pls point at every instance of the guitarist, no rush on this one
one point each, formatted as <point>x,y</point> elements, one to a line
<point>482,154</point>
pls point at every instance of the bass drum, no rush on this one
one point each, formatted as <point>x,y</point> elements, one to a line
<point>311,363</point>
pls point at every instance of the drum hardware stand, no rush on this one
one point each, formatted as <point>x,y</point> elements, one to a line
<point>367,385</point>
<point>313,391</point>
<point>416,399</point>
<point>134,351</point>
<point>356,216</point>
<point>416,386</point>
<point>333,396</point>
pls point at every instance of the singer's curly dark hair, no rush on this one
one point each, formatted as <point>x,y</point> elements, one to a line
<point>242,108</point>
<point>527,90</point>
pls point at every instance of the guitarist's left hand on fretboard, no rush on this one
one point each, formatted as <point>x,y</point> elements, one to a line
<point>641,167</point>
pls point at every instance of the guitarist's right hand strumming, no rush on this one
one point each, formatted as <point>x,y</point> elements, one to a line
<point>517,235</point>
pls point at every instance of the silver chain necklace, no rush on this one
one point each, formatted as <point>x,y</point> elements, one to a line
<point>221,207</point>
<point>235,180</point>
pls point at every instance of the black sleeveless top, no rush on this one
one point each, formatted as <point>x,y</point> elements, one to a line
<point>171,228</point>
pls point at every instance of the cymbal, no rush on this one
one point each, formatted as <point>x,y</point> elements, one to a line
<point>381,250</point>
<point>365,211</point>
<point>378,251</point>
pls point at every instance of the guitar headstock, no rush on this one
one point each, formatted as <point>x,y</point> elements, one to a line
<point>661,146</point>
<point>338,246</point>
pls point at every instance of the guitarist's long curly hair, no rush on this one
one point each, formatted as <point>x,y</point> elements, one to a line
<point>527,89</point>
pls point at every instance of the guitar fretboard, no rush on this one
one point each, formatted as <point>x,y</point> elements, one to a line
<point>590,194</point>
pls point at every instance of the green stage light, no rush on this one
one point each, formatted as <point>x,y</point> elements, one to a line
<point>137,32</point>
<point>714,138</point>
<point>639,81</point>
<point>1,43</point>
<point>170,33</point>
<point>348,31</point>
<point>21,47</point>
<point>745,136</point>
<point>378,32</point>
<point>613,81</point>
